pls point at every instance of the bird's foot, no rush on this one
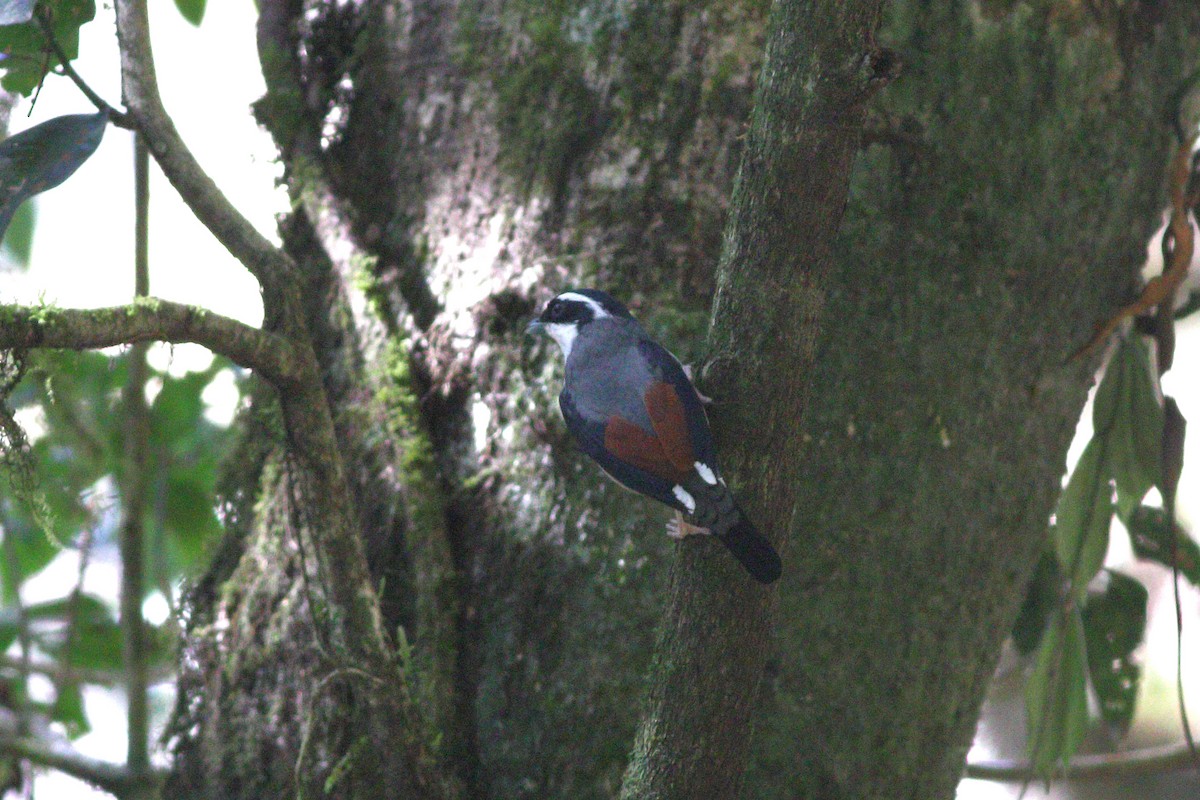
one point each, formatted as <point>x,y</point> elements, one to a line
<point>705,399</point>
<point>678,528</point>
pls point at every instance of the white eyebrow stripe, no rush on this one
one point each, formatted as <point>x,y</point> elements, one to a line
<point>598,311</point>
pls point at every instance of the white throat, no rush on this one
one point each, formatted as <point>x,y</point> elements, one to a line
<point>563,333</point>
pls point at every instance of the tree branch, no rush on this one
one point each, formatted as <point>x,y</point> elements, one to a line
<point>139,90</point>
<point>110,777</point>
<point>1146,761</point>
<point>271,355</point>
<point>133,484</point>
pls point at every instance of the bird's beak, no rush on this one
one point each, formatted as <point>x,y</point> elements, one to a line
<point>537,326</point>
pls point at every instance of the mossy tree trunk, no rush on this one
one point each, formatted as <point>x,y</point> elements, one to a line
<point>999,211</point>
<point>820,68</point>
<point>455,163</point>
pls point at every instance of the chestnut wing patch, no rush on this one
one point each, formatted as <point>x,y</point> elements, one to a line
<point>640,449</point>
<point>627,446</point>
<point>669,419</point>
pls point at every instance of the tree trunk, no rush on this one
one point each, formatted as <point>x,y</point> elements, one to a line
<point>820,69</point>
<point>454,164</point>
<point>999,211</point>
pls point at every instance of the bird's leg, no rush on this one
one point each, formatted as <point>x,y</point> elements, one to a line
<point>678,527</point>
<point>705,399</point>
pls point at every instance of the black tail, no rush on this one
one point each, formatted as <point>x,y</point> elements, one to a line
<point>752,549</point>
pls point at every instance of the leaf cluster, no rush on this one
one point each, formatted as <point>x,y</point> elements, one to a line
<point>78,457</point>
<point>1085,622</point>
<point>27,55</point>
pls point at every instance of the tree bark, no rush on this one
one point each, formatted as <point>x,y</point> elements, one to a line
<point>454,164</point>
<point>999,211</point>
<point>820,68</point>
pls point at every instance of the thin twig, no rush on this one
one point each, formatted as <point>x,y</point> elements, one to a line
<point>67,678</point>
<point>1146,761</point>
<point>59,673</point>
<point>118,118</point>
<point>133,483</point>
<point>22,705</point>
<point>1174,433</point>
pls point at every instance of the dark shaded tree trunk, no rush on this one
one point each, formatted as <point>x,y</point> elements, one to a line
<point>998,212</point>
<point>455,163</point>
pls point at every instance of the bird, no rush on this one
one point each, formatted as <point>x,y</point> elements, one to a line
<point>631,406</point>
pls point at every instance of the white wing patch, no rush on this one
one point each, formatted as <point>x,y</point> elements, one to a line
<point>706,473</point>
<point>688,501</point>
<point>598,311</point>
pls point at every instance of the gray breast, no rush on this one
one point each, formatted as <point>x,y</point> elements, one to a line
<point>606,374</point>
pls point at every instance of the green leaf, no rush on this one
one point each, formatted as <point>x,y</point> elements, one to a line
<point>1041,598</point>
<point>1056,694</point>
<point>76,393</point>
<point>190,520</point>
<point>89,609</point>
<point>68,709</point>
<point>192,10</point>
<point>1128,416</point>
<point>79,393</point>
<point>44,156</point>
<point>1083,518</point>
<point>18,239</point>
<point>1189,306</point>
<point>1114,624</point>
<point>95,639</point>
<point>1153,539</point>
<point>95,644</point>
<point>27,56</point>
<point>33,550</point>
<point>178,410</point>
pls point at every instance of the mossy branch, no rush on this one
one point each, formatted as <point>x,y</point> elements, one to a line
<point>358,638</point>
<point>148,320</point>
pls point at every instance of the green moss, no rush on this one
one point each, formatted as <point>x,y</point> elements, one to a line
<point>365,276</point>
<point>43,309</point>
<point>436,582</point>
<point>400,406</point>
<point>346,762</point>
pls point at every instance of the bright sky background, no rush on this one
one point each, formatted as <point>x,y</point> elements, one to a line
<point>83,256</point>
<point>83,246</point>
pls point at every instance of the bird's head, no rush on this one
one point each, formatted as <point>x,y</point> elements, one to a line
<point>568,313</point>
